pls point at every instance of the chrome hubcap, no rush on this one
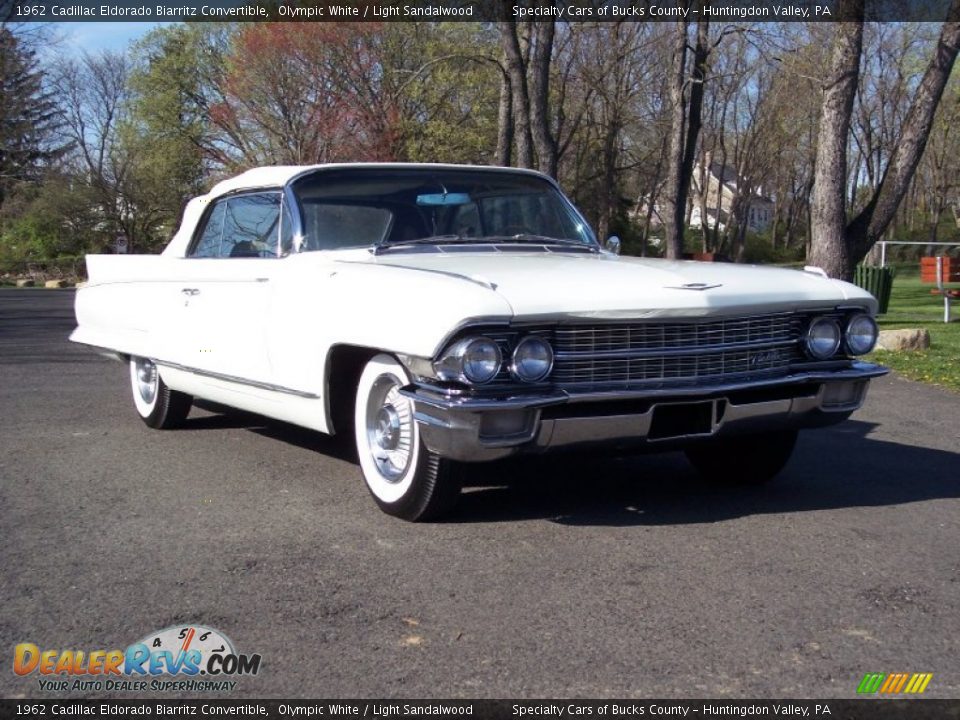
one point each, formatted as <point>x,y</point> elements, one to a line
<point>389,428</point>
<point>146,379</point>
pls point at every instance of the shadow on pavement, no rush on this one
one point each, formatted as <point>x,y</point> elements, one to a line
<point>836,467</point>
<point>226,418</point>
<point>839,467</point>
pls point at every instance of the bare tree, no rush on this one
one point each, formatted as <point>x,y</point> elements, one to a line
<point>686,103</point>
<point>93,92</point>
<point>528,50</point>
<point>838,244</point>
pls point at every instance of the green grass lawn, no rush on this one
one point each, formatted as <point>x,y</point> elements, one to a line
<point>912,306</point>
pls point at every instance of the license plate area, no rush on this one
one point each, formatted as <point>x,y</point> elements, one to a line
<point>676,420</point>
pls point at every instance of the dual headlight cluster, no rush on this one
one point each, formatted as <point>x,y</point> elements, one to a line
<point>824,336</point>
<point>478,360</point>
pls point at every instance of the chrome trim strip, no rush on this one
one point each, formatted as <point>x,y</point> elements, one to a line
<point>234,379</point>
<point>296,213</point>
<point>857,371</point>
<point>576,323</point>
<point>458,276</point>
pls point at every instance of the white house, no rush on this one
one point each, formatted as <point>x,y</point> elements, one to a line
<point>721,189</point>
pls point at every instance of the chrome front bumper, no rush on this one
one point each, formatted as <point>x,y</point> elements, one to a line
<point>475,429</point>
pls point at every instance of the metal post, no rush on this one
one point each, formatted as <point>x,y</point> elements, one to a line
<point>946,296</point>
<point>883,253</point>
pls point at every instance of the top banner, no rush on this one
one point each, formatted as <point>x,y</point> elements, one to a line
<point>719,11</point>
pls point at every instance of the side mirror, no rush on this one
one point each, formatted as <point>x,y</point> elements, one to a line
<point>612,245</point>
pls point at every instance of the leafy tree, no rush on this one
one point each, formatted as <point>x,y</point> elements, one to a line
<point>164,120</point>
<point>58,217</point>
<point>445,77</point>
<point>301,93</point>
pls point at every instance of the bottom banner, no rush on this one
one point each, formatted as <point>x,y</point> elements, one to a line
<point>878,709</point>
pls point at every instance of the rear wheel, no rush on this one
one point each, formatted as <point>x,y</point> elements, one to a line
<point>158,405</point>
<point>404,477</point>
<point>743,460</point>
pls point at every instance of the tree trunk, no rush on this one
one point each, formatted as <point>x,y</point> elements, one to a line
<point>673,194</point>
<point>609,189</point>
<point>539,72</point>
<point>836,245</point>
<point>520,101</point>
<point>652,202</point>
<point>935,214</point>
<point>828,212</point>
<point>868,227</point>
<point>505,122</point>
<point>695,109</point>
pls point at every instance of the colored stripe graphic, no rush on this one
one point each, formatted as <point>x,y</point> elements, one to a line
<point>889,682</point>
<point>871,682</point>
<point>894,683</point>
<point>918,683</point>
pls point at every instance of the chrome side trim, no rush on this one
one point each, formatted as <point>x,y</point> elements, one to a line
<point>234,379</point>
<point>296,215</point>
<point>447,273</point>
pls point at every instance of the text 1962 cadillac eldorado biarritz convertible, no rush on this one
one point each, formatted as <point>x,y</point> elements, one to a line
<point>447,314</point>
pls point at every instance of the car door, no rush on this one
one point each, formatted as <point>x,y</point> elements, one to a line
<point>227,287</point>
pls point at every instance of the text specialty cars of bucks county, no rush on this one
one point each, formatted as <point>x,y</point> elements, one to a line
<point>448,314</point>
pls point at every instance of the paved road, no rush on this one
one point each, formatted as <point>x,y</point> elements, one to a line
<point>621,577</point>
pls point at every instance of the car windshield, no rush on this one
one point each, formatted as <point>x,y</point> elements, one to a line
<point>395,207</point>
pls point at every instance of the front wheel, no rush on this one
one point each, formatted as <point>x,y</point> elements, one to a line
<point>404,477</point>
<point>743,460</point>
<point>158,405</point>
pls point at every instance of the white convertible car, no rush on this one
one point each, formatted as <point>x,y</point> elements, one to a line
<point>446,314</point>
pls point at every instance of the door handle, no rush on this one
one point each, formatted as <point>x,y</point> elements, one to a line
<point>190,291</point>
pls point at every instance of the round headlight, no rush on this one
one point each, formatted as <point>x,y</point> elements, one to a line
<point>861,334</point>
<point>475,360</point>
<point>532,359</point>
<point>481,360</point>
<point>823,338</point>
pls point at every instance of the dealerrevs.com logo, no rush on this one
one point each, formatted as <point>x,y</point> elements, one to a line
<point>176,659</point>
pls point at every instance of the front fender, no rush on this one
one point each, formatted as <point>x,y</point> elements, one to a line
<point>397,310</point>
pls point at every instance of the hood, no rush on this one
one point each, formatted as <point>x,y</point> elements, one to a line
<point>609,287</point>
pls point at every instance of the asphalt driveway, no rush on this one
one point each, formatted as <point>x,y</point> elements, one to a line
<point>590,577</point>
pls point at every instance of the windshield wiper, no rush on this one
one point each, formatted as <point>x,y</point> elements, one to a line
<point>538,239</point>
<point>431,240</point>
<point>482,239</point>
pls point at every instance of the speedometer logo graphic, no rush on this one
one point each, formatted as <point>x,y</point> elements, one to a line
<point>183,639</point>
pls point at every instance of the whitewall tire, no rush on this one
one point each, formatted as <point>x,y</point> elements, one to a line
<point>404,477</point>
<point>157,405</point>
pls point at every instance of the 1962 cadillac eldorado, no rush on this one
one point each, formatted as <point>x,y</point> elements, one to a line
<point>446,314</point>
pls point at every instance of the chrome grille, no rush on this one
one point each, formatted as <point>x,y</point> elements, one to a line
<point>676,353</point>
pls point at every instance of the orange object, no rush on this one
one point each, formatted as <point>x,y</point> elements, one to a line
<point>928,269</point>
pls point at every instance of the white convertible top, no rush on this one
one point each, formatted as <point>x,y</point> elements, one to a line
<point>261,177</point>
<point>276,176</point>
<point>280,175</point>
